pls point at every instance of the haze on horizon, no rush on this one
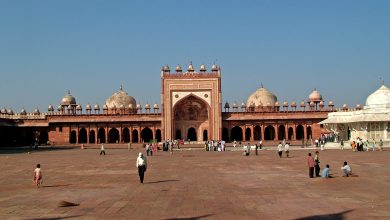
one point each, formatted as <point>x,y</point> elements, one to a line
<point>341,48</point>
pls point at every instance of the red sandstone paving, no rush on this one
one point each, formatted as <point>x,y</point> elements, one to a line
<point>193,185</point>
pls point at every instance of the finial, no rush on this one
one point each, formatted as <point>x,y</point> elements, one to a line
<point>121,88</point>
<point>261,85</point>
<point>382,81</point>
<point>68,91</point>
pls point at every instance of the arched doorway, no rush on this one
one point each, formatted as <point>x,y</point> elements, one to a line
<point>92,137</point>
<point>134,135</point>
<point>290,133</point>
<point>236,133</point>
<point>269,133</point>
<point>299,132</point>
<point>113,136</point>
<point>82,136</point>
<point>178,134</point>
<point>43,137</point>
<point>191,112</point>
<point>225,134</point>
<point>281,132</point>
<point>102,135</point>
<point>126,135</point>
<point>257,133</point>
<point>158,135</point>
<point>247,134</point>
<point>205,137</point>
<point>146,135</point>
<point>72,137</point>
<point>191,134</point>
<point>308,133</point>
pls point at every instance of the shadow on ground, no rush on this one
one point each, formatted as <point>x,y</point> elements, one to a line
<point>336,216</point>
<point>21,150</point>
<point>191,218</point>
<point>55,218</point>
<point>161,181</point>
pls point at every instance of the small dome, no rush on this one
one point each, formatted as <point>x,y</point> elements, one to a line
<point>122,106</point>
<point>262,95</point>
<point>166,68</point>
<point>293,104</point>
<point>3,111</point>
<point>139,106</point>
<point>243,105</point>
<point>120,98</point>
<point>10,111</point>
<point>345,106</point>
<point>322,104</point>
<point>68,99</point>
<point>36,111</point>
<point>147,106</point>
<point>60,108</point>
<point>358,107</point>
<point>96,107</point>
<point>178,68</point>
<point>235,105</point>
<point>227,105</point>
<point>203,68</point>
<point>315,96</point>
<point>331,103</point>
<point>379,99</point>
<point>131,106</point>
<point>105,107</point>
<point>303,104</point>
<point>285,104</point>
<point>277,104</point>
<point>23,112</point>
<point>79,108</point>
<point>50,108</point>
<point>312,104</point>
<point>214,67</point>
<point>191,68</point>
<point>155,106</point>
<point>88,107</point>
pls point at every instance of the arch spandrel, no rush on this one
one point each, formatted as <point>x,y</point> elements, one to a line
<point>179,96</point>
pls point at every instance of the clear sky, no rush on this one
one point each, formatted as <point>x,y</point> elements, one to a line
<point>342,48</point>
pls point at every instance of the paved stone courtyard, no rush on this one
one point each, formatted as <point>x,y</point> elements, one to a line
<point>192,184</point>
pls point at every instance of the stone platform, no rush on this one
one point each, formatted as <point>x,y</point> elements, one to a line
<point>192,184</point>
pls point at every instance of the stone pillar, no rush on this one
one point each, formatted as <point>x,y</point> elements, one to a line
<point>252,133</point>
<point>131,134</point>
<point>154,132</point>
<point>88,133</point>
<point>77,134</point>
<point>262,132</point>
<point>107,134</point>
<point>294,132</point>
<point>120,135</point>
<point>276,127</point>
<point>243,128</point>
<point>139,135</point>
<point>286,131</point>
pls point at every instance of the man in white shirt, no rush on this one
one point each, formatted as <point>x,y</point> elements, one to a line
<point>142,166</point>
<point>347,170</point>
<point>287,149</point>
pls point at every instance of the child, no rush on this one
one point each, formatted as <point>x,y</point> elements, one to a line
<point>38,175</point>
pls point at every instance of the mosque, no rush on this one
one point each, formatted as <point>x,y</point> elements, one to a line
<point>191,109</point>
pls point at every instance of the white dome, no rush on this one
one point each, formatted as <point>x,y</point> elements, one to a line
<point>262,96</point>
<point>379,99</point>
<point>120,98</point>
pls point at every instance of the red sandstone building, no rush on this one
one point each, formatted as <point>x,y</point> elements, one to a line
<point>191,109</point>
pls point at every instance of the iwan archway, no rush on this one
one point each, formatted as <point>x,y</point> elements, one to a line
<point>191,118</point>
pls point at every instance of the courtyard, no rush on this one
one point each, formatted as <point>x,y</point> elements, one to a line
<point>192,184</point>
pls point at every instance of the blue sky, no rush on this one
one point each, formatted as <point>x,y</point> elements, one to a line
<point>342,48</point>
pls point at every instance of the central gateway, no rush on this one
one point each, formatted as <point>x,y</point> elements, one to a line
<point>191,104</point>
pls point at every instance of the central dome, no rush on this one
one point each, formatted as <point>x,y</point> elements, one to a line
<point>262,97</point>
<point>68,99</point>
<point>120,98</point>
<point>379,99</point>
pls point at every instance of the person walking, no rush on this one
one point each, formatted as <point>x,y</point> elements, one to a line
<point>287,149</point>
<point>102,151</point>
<point>280,150</point>
<point>142,166</point>
<point>256,148</point>
<point>310,163</point>
<point>317,164</point>
<point>38,176</point>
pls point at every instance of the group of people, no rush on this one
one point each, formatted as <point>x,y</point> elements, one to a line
<point>360,145</point>
<point>314,167</point>
<point>214,145</point>
<point>284,146</point>
<point>150,148</point>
